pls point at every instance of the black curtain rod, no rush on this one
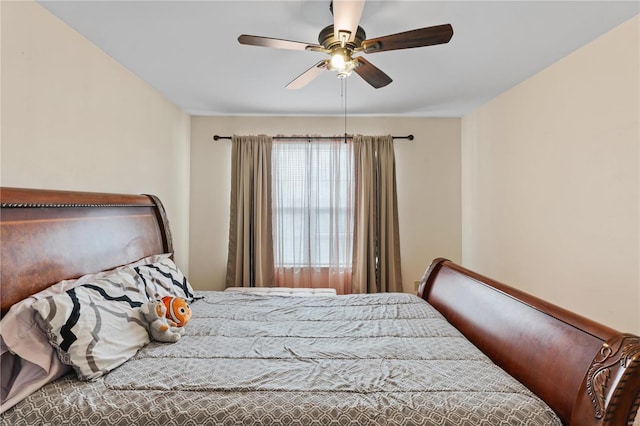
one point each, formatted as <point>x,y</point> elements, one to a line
<point>409,137</point>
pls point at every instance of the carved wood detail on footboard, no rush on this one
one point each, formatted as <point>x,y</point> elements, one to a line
<point>589,374</point>
<point>612,398</point>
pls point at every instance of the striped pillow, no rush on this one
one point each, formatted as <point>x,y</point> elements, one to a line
<point>164,278</point>
<point>97,326</point>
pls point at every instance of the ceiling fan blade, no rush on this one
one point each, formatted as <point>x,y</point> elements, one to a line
<point>306,77</point>
<point>428,36</point>
<point>277,43</point>
<point>371,74</point>
<point>346,17</point>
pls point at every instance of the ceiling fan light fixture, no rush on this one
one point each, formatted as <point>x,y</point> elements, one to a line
<point>346,70</point>
<point>339,59</point>
<point>341,62</point>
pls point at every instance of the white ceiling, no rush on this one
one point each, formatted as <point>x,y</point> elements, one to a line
<point>188,51</point>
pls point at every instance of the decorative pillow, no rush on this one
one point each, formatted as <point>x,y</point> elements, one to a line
<point>163,278</point>
<point>96,326</point>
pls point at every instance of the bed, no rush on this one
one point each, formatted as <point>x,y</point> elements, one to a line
<point>464,350</point>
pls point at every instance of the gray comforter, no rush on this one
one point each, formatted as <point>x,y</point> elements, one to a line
<point>383,359</point>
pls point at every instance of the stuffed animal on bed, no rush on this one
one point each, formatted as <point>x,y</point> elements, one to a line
<point>160,329</point>
<point>178,311</point>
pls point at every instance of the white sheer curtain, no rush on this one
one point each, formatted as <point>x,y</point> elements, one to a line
<point>313,190</point>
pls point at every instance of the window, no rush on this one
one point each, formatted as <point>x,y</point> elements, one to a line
<point>312,204</point>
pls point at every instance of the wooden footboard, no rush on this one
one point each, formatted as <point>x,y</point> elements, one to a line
<point>589,374</point>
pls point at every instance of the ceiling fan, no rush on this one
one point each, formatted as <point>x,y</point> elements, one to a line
<point>345,38</point>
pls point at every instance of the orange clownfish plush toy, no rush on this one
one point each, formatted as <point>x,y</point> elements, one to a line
<point>178,310</point>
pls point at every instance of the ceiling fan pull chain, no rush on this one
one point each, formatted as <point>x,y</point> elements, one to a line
<point>344,87</point>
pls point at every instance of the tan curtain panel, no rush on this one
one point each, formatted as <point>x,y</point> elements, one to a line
<point>376,241</point>
<point>250,261</point>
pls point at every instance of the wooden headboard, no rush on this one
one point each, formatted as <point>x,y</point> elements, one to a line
<point>47,236</point>
<point>589,374</point>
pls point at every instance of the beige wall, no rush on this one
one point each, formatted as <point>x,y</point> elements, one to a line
<point>73,118</point>
<point>551,187</point>
<point>428,174</point>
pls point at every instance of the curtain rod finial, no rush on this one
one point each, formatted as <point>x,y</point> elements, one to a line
<point>410,137</point>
